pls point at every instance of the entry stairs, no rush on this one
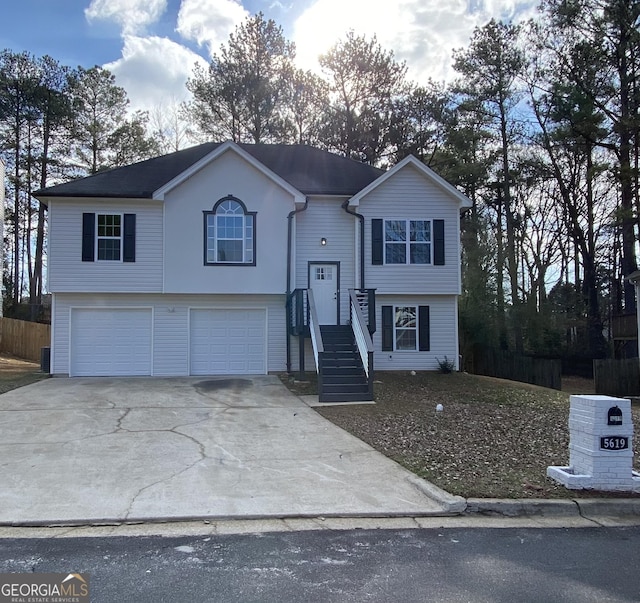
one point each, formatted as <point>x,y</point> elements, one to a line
<point>342,374</point>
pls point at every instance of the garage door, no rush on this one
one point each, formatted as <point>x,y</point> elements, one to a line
<point>228,342</point>
<point>110,342</point>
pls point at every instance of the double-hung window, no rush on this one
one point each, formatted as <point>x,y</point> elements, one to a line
<point>405,328</point>
<point>407,241</point>
<point>109,239</point>
<point>230,234</point>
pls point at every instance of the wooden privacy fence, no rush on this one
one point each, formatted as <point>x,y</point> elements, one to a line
<point>618,378</point>
<point>24,339</point>
<point>506,365</point>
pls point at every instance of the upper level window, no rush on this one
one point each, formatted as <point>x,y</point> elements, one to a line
<point>109,239</point>
<point>229,233</point>
<point>407,241</point>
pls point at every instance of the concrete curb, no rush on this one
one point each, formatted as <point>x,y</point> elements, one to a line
<point>451,504</point>
<point>610,507</point>
<point>584,507</point>
<point>522,507</point>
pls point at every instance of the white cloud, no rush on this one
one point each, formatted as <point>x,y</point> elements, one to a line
<point>153,70</point>
<point>132,15</point>
<point>421,32</point>
<point>209,22</point>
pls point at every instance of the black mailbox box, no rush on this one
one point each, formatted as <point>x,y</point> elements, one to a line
<point>614,416</point>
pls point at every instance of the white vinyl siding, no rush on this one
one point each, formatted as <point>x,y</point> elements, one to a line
<point>67,271</point>
<point>170,353</point>
<point>186,245</point>
<point>326,218</point>
<point>110,341</point>
<point>409,195</point>
<point>443,333</point>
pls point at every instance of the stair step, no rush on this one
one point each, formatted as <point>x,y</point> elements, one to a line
<point>341,354</point>
<point>342,362</point>
<point>342,370</point>
<point>352,397</point>
<point>345,333</point>
<point>360,379</point>
<point>332,345</point>
<point>338,354</point>
<point>327,341</point>
<point>344,388</point>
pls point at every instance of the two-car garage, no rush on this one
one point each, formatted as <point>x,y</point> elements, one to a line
<point>120,341</point>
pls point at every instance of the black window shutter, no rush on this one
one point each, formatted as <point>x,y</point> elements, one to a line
<point>376,242</point>
<point>438,242</point>
<point>424,336</point>
<point>88,237</point>
<point>129,242</point>
<point>387,328</point>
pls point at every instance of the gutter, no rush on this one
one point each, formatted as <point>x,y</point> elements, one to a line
<point>360,217</point>
<point>289,254</point>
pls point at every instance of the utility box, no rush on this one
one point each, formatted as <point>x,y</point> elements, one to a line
<point>45,360</point>
<point>600,446</point>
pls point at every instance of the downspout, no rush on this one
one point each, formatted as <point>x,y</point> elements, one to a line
<point>360,217</point>
<point>289,253</point>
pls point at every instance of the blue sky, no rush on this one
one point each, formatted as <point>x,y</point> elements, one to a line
<point>152,45</point>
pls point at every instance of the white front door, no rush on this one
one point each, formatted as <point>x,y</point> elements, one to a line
<point>323,281</point>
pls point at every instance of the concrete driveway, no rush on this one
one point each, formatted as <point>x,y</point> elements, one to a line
<point>142,449</point>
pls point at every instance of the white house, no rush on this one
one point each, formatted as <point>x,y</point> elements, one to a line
<point>243,259</point>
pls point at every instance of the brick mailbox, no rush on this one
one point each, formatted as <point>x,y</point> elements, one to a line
<point>600,446</point>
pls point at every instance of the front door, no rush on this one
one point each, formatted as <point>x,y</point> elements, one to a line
<point>324,282</point>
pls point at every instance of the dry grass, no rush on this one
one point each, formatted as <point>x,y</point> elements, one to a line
<point>494,438</point>
<point>16,372</point>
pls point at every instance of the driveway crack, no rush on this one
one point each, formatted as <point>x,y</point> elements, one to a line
<point>201,453</point>
<point>122,417</point>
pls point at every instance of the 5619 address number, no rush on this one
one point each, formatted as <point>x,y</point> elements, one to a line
<point>614,443</point>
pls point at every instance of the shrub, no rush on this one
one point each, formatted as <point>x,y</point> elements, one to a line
<point>446,365</point>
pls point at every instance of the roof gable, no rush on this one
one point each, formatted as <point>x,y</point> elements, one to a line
<point>212,156</point>
<point>463,201</point>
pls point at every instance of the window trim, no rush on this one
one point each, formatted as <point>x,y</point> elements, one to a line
<point>110,238</point>
<point>416,328</point>
<point>388,330</point>
<point>246,213</point>
<point>407,242</point>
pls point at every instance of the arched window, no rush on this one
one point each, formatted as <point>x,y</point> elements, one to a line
<point>230,233</point>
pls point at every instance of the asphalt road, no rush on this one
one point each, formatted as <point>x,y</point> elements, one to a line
<point>432,565</point>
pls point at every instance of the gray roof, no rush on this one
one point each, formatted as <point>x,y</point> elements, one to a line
<point>309,170</point>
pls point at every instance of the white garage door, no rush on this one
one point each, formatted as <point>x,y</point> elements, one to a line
<point>228,342</point>
<point>110,342</point>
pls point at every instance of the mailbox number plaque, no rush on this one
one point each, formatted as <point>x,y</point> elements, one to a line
<point>614,443</point>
